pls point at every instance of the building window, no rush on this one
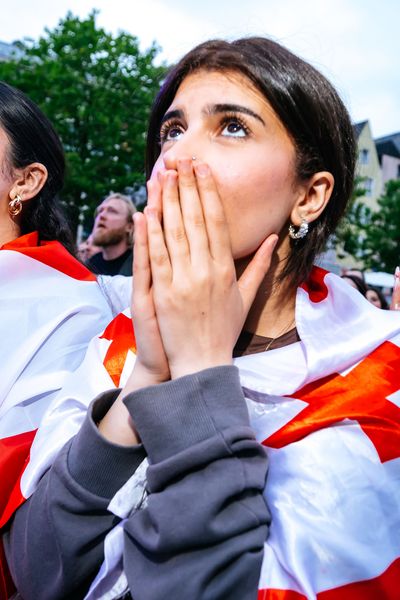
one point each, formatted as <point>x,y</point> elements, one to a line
<point>364,156</point>
<point>398,171</point>
<point>368,186</point>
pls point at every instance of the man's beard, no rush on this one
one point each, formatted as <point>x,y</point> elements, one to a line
<point>106,237</point>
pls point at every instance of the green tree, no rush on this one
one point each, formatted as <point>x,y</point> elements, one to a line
<point>348,239</point>
<point>381,245</point>
<point>97,90</point>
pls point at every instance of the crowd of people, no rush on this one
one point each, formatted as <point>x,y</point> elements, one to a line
<point>225,424</point>
<point>373,294</point>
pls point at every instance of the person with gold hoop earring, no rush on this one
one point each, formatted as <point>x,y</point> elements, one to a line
<point>51,304</point>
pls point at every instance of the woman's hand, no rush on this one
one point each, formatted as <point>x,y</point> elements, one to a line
<point>151,366</point>
<point>200,305</point>
<point>395,303</point>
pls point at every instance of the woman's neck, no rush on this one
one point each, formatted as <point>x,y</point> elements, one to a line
<point>273,310</point>
<point>8,231</point>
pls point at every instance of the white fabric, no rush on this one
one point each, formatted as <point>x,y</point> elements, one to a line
<point>335,506</point>
<point>118,291</point>
<point>48,319</point>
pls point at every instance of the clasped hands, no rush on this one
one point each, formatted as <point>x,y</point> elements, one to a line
<point>188,307</point>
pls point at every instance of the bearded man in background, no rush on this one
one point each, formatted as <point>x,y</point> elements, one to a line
<point>113,233</point>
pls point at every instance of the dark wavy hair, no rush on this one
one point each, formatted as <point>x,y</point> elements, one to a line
<point>358,282</point>
<point>309,108</point>
<point>379,293</point>
<point>32,139</point>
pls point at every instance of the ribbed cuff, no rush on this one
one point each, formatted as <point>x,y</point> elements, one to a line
<point>96,464</point>
<point>173,416</point>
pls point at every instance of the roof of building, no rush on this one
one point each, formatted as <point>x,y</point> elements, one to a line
<point>389,145</point>
<point>358,127</point>
<point>388,148</point>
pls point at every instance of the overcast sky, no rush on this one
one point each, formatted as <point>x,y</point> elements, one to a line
<point>356,43</point>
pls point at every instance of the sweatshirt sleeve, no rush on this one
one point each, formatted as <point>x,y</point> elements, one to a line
<point>202,533</point>
<point>56,542</point>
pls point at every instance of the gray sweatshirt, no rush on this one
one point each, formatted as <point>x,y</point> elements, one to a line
<point>202,533</point>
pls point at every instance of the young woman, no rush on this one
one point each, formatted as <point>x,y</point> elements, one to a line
<point>376,297</point>
<point>251,155</point>
<point>51,305</point>
<point>357,283</point>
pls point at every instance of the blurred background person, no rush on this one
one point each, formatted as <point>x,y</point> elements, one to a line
<point>113,233</point>
<point>376,298</point>
<point>356,282</point>
<point>355,272</point>
<point>86,249</point>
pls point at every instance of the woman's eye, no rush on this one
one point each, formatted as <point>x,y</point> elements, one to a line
<point>170,132</point>
<point>234,128</point>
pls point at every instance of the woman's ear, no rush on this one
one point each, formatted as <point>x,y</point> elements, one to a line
<point>29,181</point>
<point>314,198</point>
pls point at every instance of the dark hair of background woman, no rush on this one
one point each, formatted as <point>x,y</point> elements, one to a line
<point>308,106</point>
<point>33,139</point>
<point>384,304</point>
<point>358,282</point>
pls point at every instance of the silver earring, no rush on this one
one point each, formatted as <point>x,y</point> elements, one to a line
<point>302,231</point>
<point>193,158</point>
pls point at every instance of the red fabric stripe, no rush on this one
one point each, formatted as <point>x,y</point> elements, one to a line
<point>14,455</point>
<point>385,587</point>
<point>52,254</point>
<point>279,595</point>
<point>120,333</point>
<point>315,286</point>
<point>361,395</point>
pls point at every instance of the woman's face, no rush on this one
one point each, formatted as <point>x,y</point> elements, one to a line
<point>223,120</point>
<point>373,297</point>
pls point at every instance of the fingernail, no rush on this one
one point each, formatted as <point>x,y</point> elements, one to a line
<point>185,166</point>
<point>202,170</point>
<point>397,277</point>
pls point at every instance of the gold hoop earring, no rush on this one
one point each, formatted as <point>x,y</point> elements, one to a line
<point>15,206</point>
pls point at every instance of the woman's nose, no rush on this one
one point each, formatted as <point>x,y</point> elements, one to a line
<point>172,156</point>
<point>185,148</point>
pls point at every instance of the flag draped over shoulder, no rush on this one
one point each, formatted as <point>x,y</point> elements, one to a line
<point>327,409</point>
<point>333,440</point>
<point>51,306</point>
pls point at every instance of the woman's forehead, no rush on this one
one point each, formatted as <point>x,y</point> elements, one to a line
<point>217,86</point>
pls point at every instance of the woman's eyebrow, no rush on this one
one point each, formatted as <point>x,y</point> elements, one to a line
<point>172,114</point>
<point>215,109</point>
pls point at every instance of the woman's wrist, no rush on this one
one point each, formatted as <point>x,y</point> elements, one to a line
<point>199,364</point>
<point>117,425</point>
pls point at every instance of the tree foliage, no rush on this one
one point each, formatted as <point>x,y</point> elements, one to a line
<point>97,90</point>
<point>381,245</point>
<point>349,235</point>
<point>372,237</point>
